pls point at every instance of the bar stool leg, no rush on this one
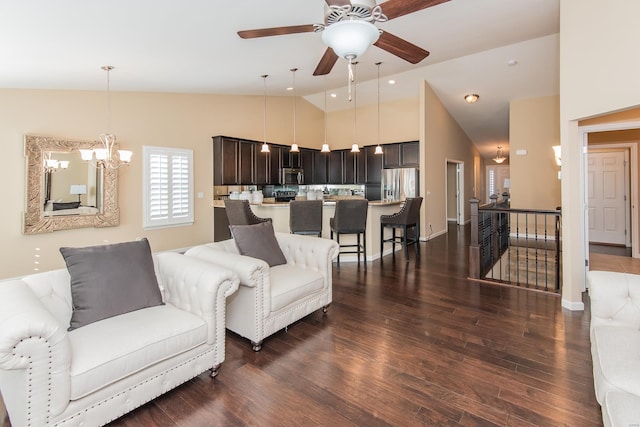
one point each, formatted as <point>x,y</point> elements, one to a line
<point>364,248</point>
<point>381,241</point>
<point>338,240</point>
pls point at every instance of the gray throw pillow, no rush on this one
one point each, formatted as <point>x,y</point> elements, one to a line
<point>258,241</point>
<point>109,280</point>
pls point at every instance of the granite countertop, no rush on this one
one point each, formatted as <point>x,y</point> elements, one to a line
<point>327,202</point>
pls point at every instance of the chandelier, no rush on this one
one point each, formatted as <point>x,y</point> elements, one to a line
<point>499,158</point>
<point>106,155</point>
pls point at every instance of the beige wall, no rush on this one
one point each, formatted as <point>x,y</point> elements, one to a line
<point>175,120</point>
<point>399,122</point>
<point>534,126</point>
<point>442,139</point>
<point>599,71</point>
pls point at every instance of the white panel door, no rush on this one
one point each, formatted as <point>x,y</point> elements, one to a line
<point>606,198</point>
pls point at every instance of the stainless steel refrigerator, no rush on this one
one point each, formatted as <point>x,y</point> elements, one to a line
<point>398,184</point>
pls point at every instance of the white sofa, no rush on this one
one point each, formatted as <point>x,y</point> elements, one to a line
<point>270,299</point>
<point>98,372</point>
<point>615,345</point>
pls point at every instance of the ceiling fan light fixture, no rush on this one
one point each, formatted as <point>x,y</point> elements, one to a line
<point>472,98</point>
<point>351,38</point>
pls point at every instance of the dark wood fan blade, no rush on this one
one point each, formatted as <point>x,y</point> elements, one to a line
<point>395,8</point>
<point>401,48</point>
<point>276,31</point>
<point>338,2</point>
<point>327,62</point>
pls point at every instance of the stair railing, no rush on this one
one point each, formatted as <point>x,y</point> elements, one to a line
<point>520,247</point>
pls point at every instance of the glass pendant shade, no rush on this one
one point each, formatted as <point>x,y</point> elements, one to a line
<point>265,148</point>
<point>378,150</point>
<point>325,148</point>
<point>355,148</point>
<point>294,148</point>
<point>350,39</point>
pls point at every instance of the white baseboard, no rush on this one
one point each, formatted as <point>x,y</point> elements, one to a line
<point>573,305</point>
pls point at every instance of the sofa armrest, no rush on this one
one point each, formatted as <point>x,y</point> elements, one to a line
<point>197,287</point>
<point>309,252</point>
<point>250,271</point>
<point>35,356</point>
<point>615,299</point>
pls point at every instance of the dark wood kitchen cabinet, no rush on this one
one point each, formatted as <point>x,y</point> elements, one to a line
<point>335,167</point>
<point>225,160</point>
<point>276,162</point>
<point>246,162</point>
<point>410,154</point>
<point>349,167</point>
<point>306,163</point>
<point>391,156</point>
<point>262,169</point>
<point>373,165</point>
<point>320,162</point>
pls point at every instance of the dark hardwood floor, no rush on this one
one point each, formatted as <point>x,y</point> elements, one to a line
<point>402,345</point>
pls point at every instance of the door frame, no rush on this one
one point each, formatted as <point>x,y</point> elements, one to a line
<point>459,188</point>
<point>583,134</point>
<point>627,148</point>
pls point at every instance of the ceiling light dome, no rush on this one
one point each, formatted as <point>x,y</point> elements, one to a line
<point>350,39</point>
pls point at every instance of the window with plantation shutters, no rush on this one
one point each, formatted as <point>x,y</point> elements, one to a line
<point>168,187</point>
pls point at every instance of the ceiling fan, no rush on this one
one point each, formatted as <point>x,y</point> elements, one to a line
<point>365,11</point>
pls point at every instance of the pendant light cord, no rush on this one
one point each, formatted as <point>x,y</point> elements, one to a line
<point>293,70</point>
<point>378,65</point>
<point>325,108</point>
<point>355,105</point>
<point>264,84</point>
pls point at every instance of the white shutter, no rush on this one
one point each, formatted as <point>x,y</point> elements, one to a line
<point>168,187</point>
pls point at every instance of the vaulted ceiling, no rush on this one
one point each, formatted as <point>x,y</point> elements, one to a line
<point>193,47</point>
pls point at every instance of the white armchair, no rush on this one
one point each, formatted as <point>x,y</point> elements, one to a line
<point>91,375</point>
<point>270,299</point>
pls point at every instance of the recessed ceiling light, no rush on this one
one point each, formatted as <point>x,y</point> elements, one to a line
<point>392,82</point>
<point>333,95</point>
<point>290,88</point>
<point>471,98</point>
<point>512,62</point>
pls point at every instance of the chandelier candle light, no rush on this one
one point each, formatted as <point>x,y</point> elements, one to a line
<point>105,156</point>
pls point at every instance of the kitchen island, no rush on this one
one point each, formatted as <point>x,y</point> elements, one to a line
<point>279,214</point>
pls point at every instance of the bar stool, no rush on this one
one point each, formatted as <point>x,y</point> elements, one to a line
<point>406,218</point>
<point>351,218</point>
<point>305,217</point>
<point>239,213</point>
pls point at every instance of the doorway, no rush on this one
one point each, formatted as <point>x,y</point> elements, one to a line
<point>454,188</point>
<point>608,199</point>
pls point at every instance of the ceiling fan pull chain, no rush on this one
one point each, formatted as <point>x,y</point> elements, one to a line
<point>350,67</point>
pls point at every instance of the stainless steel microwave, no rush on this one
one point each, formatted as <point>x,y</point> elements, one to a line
<point>291,176</point>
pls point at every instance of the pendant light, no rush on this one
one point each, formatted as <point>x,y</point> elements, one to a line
<point>499,158</point>
<point>265,147</point>
<point>378,147</point>
<point>325,146</point>
<point>354,146</point>
<point>294,146</point>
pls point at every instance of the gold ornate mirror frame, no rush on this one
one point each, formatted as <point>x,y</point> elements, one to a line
<point>35,221</point>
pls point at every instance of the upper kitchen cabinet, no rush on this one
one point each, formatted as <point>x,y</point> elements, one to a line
<point>225,160</point>
<point>246,162</point>
<point>335,167</point>
<point>391,156</point>
<point>306,164</point>
<point>276,156</point>
<point>320,162</point>
<point>373,165</point>
<point>410,154</point>
<point>402,155</point>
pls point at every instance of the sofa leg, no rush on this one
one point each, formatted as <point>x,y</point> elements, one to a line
<point>325,308</point>
<point>257,346</point>
<point>214,371</point>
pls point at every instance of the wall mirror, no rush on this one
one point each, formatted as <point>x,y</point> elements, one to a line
<point>65,192</point>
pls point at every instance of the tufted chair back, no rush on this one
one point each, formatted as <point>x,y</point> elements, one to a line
<point>615,299</point>
<point>239,213</point>
<point>305,217</point>
<point>408,215</point>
